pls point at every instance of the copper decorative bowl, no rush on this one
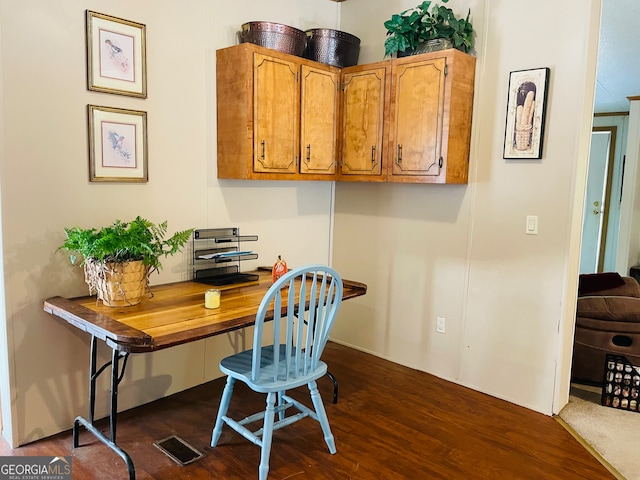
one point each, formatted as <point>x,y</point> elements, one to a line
<point>275,36</point>
<point>333,47</point>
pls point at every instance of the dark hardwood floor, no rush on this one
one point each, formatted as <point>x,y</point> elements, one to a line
<point>390,422</point>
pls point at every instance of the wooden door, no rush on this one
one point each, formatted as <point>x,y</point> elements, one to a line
<point>318,120</point>
<point>276,115</point>
<point>597,205</point>
<point>417,113</point>
<point>363,129</point>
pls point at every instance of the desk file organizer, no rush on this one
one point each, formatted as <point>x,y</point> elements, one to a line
<point>217,256</point>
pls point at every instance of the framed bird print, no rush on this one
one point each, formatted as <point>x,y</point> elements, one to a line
<point>117,145</point>
<point>526,105</point>
<point>116,55</point>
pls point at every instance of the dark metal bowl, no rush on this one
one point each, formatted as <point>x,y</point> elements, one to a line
<point>275,36</point>
<point>333,47</point>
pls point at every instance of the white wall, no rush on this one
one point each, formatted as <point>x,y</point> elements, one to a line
<point>44,186</point>
<point>461,251</point>
<point>424,250</point>
<point>5,360</point>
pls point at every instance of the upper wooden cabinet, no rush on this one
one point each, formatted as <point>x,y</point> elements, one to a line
<point>319,95</point>
<point>281,117</point>
<point>430,118</point>
<point>365,99</point>
<point>276,115</point>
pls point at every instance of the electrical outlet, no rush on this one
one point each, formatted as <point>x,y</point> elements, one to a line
<point>440,324</point>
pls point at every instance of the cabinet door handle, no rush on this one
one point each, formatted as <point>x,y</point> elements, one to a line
<point>373,154</point>
<point>263,149</point>
<point>440,162</point>
<point>308,152</point>
<point>399,154</point>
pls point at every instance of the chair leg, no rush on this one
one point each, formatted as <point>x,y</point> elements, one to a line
<point>222,410</point>
<point>267,433</point>
<point>322,416</point>
<point>335,386</point>
<point>280,402</point>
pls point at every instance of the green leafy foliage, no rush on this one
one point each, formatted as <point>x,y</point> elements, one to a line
<point>419,24</point>
<point>139,239</point>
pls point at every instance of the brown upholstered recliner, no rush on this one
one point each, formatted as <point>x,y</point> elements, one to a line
<point>607,321</point>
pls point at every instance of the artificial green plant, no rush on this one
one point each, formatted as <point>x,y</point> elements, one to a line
<point>405,31</point>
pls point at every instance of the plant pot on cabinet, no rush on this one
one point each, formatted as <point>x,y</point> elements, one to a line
<point>434,45</point>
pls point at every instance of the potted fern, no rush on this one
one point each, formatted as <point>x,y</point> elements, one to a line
<point>118,259</point>
<point>411,29</point>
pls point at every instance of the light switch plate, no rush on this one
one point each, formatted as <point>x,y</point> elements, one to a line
<point>531,227</point>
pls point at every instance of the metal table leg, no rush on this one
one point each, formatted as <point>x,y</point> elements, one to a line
<point>333,379</point>
<point>89,424</point>
<point>335,386</point>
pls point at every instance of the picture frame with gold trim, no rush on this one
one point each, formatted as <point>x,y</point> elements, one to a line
<point>116,55</point>
<point>117,145</point>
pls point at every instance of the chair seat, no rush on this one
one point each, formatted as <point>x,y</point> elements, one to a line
<point>239,367</point>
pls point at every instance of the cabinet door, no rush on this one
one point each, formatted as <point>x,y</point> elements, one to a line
<point>363,121</point>
<point>417,113</point>
<point>318,120</point>
<point>276,111</point>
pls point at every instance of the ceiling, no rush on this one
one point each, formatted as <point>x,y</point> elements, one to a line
<point>618,75</point>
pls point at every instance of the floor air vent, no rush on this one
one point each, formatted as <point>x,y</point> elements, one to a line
<point>178,450</point>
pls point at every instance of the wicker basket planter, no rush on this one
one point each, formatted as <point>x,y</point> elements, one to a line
<point>119,258</point>
<point>117,284</point>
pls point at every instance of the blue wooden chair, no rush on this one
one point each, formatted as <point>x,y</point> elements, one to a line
<point>287,359</point>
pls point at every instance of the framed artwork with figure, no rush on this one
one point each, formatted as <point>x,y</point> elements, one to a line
<point>526,106</point>
<point>117,145</point>
<point>116,55</point>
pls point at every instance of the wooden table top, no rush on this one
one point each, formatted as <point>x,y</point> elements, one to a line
<point>175,314</point>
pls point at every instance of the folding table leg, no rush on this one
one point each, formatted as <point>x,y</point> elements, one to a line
<point>335,386</point>
<point>116,378</point>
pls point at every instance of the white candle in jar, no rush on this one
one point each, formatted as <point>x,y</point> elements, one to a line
<point>212,298</point>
